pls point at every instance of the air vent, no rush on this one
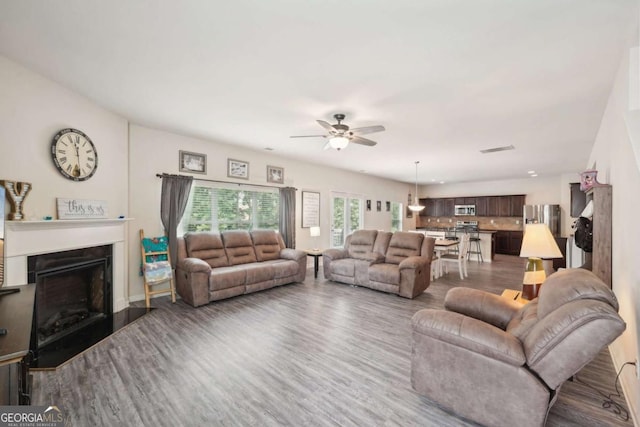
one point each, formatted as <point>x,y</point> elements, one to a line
<point>495,150</point>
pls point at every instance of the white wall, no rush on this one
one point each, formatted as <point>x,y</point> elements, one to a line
<point>614,159</point>
<point>32,110</point>
<point>539,190</point>
<point>154,151</point>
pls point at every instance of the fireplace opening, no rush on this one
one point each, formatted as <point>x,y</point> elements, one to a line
<point>69,298</point>
<point>73,292</point>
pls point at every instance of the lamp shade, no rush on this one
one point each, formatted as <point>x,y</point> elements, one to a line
<point>339,142</point>
<point>538,242</point>
<point>314,231</point>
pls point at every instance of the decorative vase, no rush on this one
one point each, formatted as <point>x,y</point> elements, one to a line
<point>17,192</point>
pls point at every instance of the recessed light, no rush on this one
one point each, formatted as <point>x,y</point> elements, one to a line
<point>531,172</point>
<point>441,182</point>
<point>533,175</point>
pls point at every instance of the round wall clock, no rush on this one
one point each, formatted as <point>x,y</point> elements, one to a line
<point>74,154</point>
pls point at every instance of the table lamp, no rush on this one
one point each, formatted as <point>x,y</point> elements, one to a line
<point>315,232</point>
<point>538,243</point>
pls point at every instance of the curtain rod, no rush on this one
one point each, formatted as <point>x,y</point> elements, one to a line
<point>160,175</point>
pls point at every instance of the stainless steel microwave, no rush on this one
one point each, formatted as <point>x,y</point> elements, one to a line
<point>465,210</point>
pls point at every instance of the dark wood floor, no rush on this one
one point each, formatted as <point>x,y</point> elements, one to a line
<point>317,353</point>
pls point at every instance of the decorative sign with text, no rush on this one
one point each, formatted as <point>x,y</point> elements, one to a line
<point>81,209</point>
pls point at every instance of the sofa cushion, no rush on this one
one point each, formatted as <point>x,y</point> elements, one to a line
<point>385,273</point>
<point>362,243</point>
<point>259,272</point>
<point>239,247</point>
<point>266,244</point>
<point>227,277</point>
<point>284,268</point>
<point>570,285</point>
<point>382,242</point>
<point>403,245</point>
<point>208,247</point>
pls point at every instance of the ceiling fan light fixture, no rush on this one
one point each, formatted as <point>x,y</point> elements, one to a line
<point>338,142</point>
<point>416,207</point>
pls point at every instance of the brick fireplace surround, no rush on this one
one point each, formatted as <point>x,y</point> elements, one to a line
<point>26,238</point>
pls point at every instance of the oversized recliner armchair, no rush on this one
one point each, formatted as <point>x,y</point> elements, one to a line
<point>494,361</point>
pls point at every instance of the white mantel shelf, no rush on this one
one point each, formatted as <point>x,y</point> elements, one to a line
<point>61,223</point>
<point>27,238</point>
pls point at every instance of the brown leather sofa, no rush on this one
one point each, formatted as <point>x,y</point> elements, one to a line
<point>398,263</point>
<point>213,266</point>
<point>498,363</point>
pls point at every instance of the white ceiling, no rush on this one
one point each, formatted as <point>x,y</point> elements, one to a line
<point>447,78</point>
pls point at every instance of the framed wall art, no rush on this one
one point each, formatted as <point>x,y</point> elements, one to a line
<point>275,174</point>
<point>192,162</point>
<point>237,169</point>
<point>310,209</point>
<point>379,206</point>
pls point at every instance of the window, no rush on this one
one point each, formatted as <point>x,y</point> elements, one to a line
<point>220,207</point>
<point>346,217</point>
<point>396,216</point>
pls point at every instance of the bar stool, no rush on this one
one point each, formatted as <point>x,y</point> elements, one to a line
<point>474,244</point>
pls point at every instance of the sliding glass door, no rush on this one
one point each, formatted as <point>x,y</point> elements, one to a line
<point>346,216</point>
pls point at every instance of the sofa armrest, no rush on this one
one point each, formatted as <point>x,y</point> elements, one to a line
<point>192,281</point>
<point>413,262</point>
<point>194,265</point>
<point>334,254</point>
<point>469,333</point>
<point>292,254</point>
<point>481,305</point>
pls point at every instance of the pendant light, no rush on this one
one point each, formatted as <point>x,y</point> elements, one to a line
<point>416,207</point>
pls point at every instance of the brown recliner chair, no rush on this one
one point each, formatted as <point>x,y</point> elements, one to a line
<point>494,361</point>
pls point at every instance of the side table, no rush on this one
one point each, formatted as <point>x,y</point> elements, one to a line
<point>316,254</point>
<point>514,295</point>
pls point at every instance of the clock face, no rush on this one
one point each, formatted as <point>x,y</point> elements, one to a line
<point>74,154</point>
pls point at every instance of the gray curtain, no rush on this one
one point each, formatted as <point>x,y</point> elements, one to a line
<point>173,201</point>
<point>287,224</point>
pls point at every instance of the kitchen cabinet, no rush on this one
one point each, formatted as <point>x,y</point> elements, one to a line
<point>449,207</point>
<point>439,207</point>
<point>508,242</point>
<point>493,208</point>
<point>504,206</point>
<point>481,206</point>
<point>517,205</point>
<point>502,242</point>
<point>515,242</point>
<point>425,203</point>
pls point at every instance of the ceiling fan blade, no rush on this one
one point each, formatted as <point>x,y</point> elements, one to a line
<point>362,141</point>
<point>367,129</point>
<point>326,125</point>
<point>308,136</point>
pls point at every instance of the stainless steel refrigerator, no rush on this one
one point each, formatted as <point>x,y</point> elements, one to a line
<point>543,214</point>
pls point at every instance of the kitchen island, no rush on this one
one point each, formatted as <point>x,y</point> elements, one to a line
<point>487,241</point>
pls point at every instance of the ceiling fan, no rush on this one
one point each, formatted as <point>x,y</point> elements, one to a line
<point>340,134</point>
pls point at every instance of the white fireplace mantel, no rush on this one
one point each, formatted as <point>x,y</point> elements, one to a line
<point>26,238</point>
